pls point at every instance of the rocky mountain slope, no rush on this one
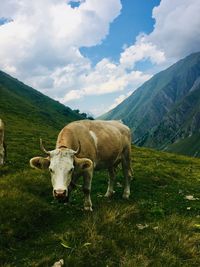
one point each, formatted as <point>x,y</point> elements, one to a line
<point>166,109</point>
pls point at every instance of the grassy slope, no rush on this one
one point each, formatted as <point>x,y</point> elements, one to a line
<point>188,146</point>
<point>24,102</point>
<point>28,115</point>
<point>34,226</point>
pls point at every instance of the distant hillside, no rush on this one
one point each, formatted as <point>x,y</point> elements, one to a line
<point>24,110</point>
<point>165,111</point>
<point>18,99</point>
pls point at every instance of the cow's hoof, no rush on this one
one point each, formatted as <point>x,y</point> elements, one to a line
<point>109,194</point>
<point>125,196</point>
<point>88,209</point>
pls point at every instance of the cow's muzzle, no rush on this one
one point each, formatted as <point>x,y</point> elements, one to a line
<point>60,194</point>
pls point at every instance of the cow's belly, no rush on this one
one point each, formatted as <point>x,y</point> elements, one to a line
<point>107,163</point>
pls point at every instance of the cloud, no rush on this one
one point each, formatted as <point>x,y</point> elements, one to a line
<point>176,34</point>
<point>46,35</point>
<point>141,50</point>
<point>105,78</point>
<point>177,27</point>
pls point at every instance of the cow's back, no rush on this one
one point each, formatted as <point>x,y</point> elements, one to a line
<point>112,139</point>
<point>101,141</point>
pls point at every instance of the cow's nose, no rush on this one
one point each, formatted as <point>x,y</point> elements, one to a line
<point>60,194</point>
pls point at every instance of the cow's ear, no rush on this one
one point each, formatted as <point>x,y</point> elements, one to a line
<point>39,163</point>
<point>83,163</point>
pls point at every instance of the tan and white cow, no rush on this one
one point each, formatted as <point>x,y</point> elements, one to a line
<point>83,146</point>
<point>2,144</point>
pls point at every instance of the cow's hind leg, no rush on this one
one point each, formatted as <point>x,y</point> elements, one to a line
<point>112,175</point>
<point>127,172</point>
<point>87,181</point>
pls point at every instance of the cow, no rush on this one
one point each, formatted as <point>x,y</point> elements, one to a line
<point>2,144</point>
<point>83,146</point>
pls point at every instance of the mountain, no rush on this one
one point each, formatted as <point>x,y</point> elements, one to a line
<point>20,100</point>
<point>24,109</point>
<point>165,111</point>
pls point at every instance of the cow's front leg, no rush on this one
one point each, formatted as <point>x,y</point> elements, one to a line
<point>127,176</point>
<point>87,181</point>
<point>110,190</point>
<point>126,192</point>
<point>72,185</point>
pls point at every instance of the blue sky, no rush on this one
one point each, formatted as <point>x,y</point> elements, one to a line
<point>91,54</point>
<point>135,17</point>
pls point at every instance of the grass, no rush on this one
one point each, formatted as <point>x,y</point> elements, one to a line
<point>187,146</point>
<point>158,226</point>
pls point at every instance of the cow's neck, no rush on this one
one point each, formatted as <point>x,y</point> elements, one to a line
<point>66,139</point>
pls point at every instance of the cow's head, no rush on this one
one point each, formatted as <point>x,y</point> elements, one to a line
<point>62,163</point>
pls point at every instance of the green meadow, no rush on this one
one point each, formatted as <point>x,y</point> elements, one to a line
<point>158,226</point>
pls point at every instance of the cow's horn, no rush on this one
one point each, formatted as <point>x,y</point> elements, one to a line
<point>42,147</point>
<point>78,149</point>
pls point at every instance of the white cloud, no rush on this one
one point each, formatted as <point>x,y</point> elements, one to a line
<point>72,95</point>
<point>105,78</point>
<point>46,35</point>
<point>141,50</point>
<point>177,27</point>
<point>176,34</point>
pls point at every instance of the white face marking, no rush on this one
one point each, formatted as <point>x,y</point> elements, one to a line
<point>94,138</point>
<point>61,168</point>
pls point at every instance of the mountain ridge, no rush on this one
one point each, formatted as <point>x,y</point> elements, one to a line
<point>159,100</point>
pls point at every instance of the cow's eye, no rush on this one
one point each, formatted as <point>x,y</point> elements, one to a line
<point>71,170</point>
<point>50,170</point>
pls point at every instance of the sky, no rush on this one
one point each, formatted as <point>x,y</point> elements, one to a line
<point>92,54</point>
